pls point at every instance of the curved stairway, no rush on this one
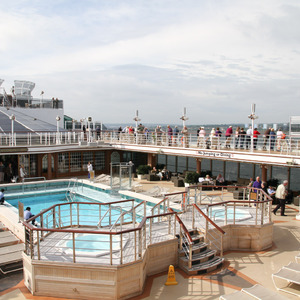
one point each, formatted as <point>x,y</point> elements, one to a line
<point>203,260</point>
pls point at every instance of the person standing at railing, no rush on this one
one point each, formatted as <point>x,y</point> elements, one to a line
<point>280,195</point>
<point>266,138</point>
<point>237,137</point>
<point>272,138</point>
<point>256,133</point>
<point>185,137</point>
<point>248,137</point>
<point>279,138</point>
<point>175,135</point>
<point>218,136</point>
<point>170,135</point>
<point>242,137</point>
<point>202,134</point>
<point>228,136</point>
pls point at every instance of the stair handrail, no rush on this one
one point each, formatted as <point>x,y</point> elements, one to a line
<point>133,210</point>
<point>159,204</point>
<point>184,235</point>
<point>213,240</point>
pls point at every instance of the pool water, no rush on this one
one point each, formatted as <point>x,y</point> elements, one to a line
<point>218,214</point>
<point>90,243</point>
<point>89,215</point>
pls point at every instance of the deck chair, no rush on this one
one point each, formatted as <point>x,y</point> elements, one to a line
<point>293,266</point>
<point>287,280</point>
<point>236,296</point>
<point>259,292</point>
<point>297,258</point>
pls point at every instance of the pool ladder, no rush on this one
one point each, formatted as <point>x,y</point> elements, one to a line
<point>70,192</point>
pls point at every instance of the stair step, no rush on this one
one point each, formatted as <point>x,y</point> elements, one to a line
<point>196,248</point>
<point>200,257</point>
<point>204,267</point>
<point>11,249</point>
<point>7,239</point>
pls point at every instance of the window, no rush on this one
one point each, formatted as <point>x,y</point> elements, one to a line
<point>75,161</point>
<point>63,162</point>
<point>99,160</point>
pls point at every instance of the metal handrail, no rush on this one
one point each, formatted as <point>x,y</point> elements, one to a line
<point>27,178</point>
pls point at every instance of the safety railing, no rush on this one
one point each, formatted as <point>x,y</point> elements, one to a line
<point>55,240</point>
<point>290,145</point>
<point>185,240</point>
<point>138,210</point>
<point>34,179</point>
<point>213,234</point>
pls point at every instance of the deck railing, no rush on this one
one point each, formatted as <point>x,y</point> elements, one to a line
<point>290,145</point>
<point>75,237</point>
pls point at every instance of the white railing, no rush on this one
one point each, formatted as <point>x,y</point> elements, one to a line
<point>290,145</point>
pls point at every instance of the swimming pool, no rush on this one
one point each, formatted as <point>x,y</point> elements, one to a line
<point>42,197</point>
<point>217,213</point>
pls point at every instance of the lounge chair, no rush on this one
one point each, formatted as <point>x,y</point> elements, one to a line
<point>255,292</point>
<point>297,258</point>
<point>287,280</point>
<point>293,266</point>
<point>259,292</point>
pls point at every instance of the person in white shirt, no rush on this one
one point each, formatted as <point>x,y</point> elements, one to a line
<point>248,137</point>
<point>90,169</point>
<point>2,197</point>
<point>22,173</point>
<point>280,195</point>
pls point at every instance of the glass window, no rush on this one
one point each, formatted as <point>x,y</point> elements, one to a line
<point>99,160</point>
<point>192,164</point>
<point>205,164</point>
<point>75,161</point>
<point>294,179</point>
<point>63,162</point>
<point>246,170</point>
<point>181,164</point>
<point>45,163</point>
<point>231,170</point>
<point>280,173</point>
<point>217,167</point>
<point>171,163</point>
<point>87,156</point>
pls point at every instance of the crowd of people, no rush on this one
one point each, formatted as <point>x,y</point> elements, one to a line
<point>237,138</point>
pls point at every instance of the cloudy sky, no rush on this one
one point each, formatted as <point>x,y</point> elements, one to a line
<point>108,58</point>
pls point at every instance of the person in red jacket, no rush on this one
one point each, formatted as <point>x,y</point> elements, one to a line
<point>256,133</point>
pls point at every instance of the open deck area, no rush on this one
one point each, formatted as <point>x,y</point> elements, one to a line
<point>241,269</point>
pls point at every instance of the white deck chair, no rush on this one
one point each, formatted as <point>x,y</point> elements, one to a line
<point>287,280</point>
<point>293,266</point>
<point>259,292</point>
<point>236,296</point>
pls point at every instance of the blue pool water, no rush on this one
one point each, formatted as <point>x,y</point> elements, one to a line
<point>90,243</point>
<point>89,214</point>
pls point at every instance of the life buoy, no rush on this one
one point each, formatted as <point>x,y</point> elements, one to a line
<point>182,140</point>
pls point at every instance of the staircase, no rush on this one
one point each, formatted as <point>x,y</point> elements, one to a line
<point>10,252</point>
<point>196,258</point>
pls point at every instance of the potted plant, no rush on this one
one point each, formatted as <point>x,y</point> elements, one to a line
<point>191,178</point>
<point>142,170</point>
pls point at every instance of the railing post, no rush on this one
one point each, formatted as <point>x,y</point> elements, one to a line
<point>78,214</point>
<point>174,224</point>
<point>221,253</point>
<point>226,213</point>
<point>38,245</point>
<point>121,249</point>
<point>190,255</point>
<point>135,245</point>
<point>59,219</point>
<point>262,208</point>
<point>193,217</point>
<point>169,223</point>
<point>140,243</point>
<point>110,249</point>
<point>180,239</point>
<point>150,232</point>
<point>233,213</point>
<point>74,247</point>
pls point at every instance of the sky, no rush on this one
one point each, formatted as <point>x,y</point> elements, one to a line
<point>108,58</point>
